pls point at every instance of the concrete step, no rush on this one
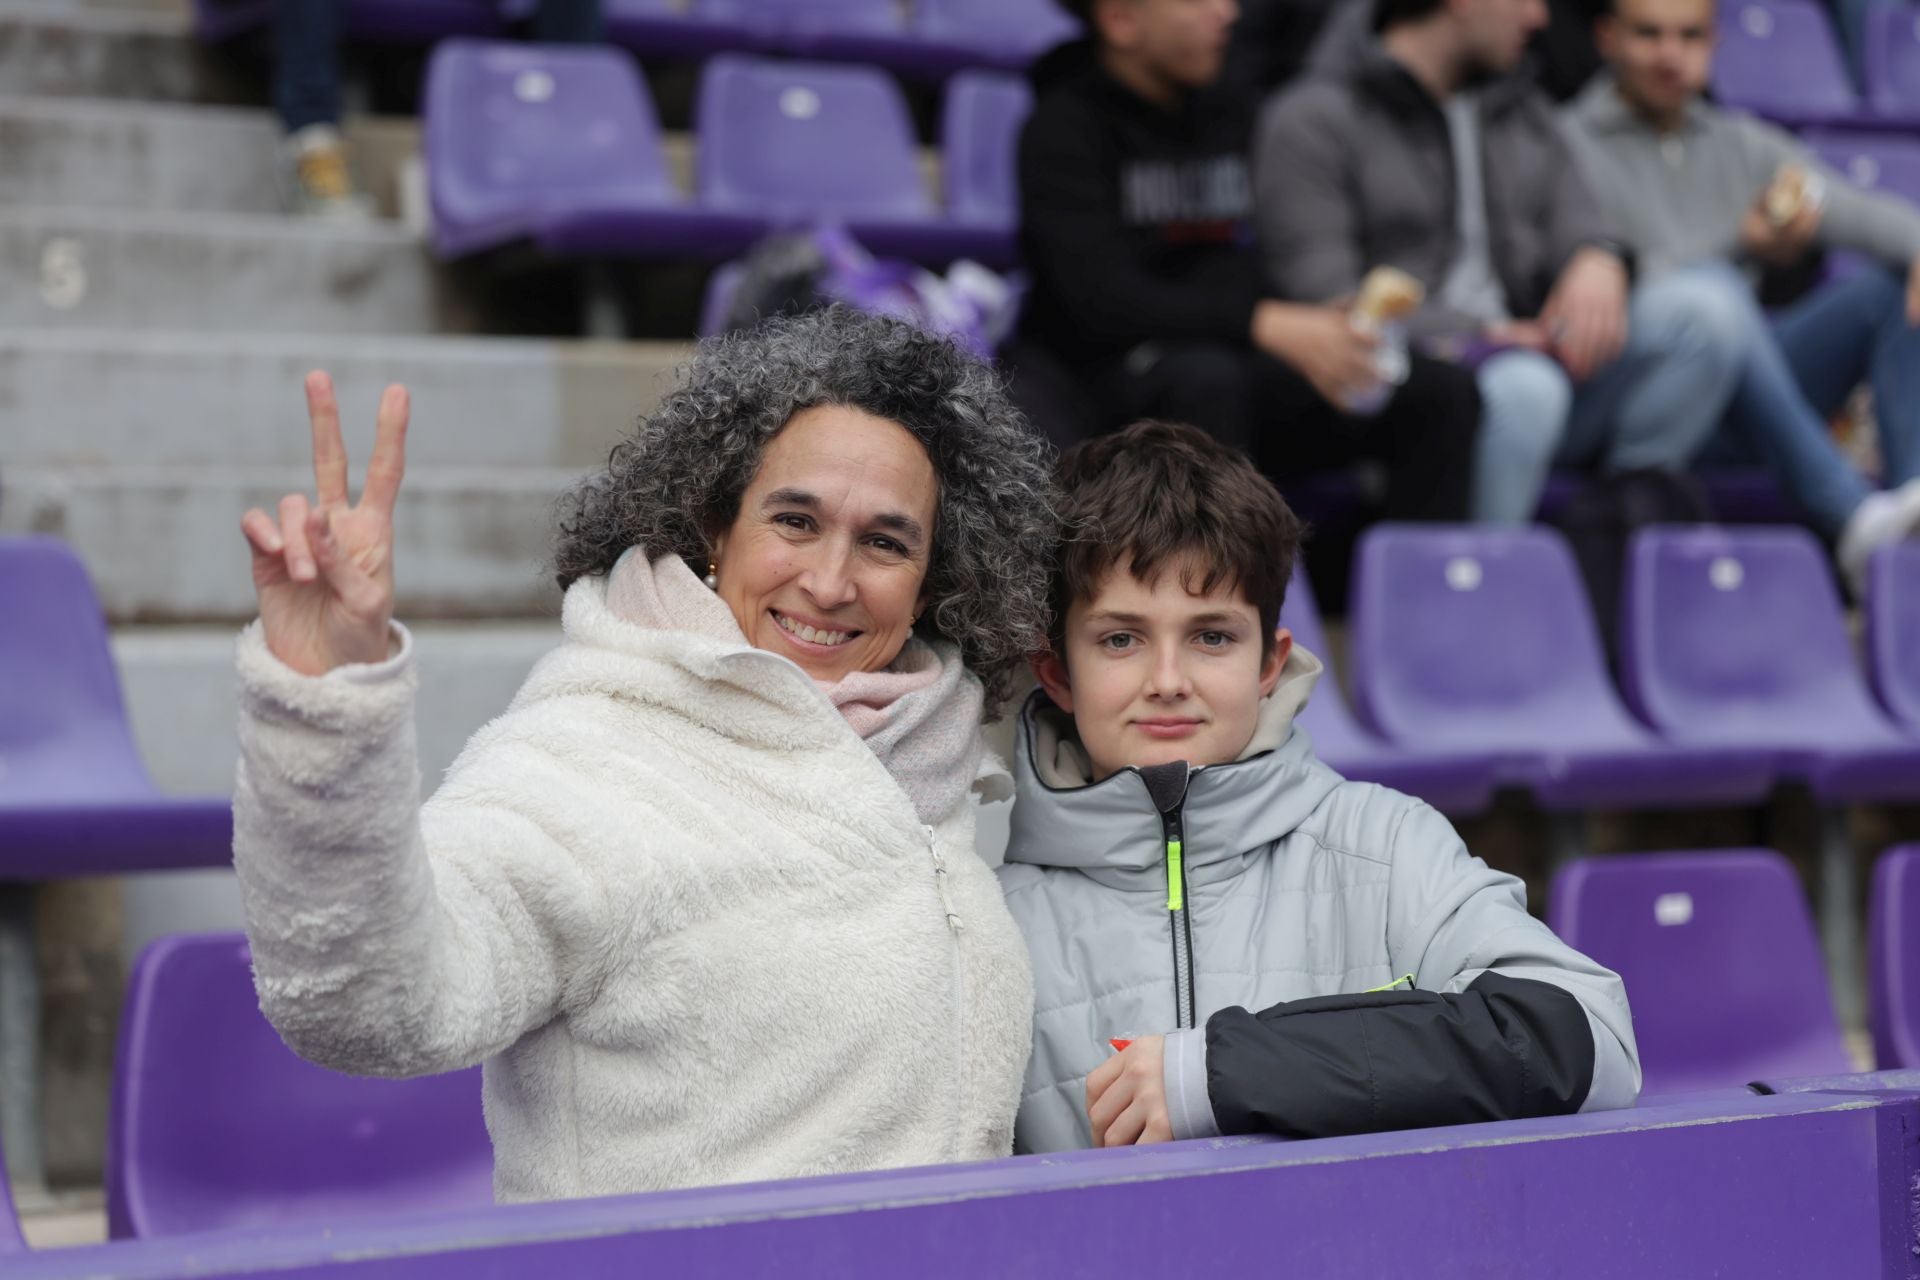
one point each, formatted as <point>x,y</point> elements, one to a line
<point>51,48</point>
<point>81,398</point>
<point>96,153</point>
<point>163,543</point>
<point>235,273</point>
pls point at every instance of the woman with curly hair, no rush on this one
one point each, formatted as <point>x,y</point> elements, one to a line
<point>704,899</point>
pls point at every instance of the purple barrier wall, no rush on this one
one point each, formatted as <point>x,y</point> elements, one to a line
<point>1818,1183</point>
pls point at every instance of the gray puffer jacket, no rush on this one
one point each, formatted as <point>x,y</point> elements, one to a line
<point>1398,980</point>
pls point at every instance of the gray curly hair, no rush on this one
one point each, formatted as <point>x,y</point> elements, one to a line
<point>679,478</point>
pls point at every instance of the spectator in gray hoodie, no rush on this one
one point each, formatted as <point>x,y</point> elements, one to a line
<point>1277,950</point>
<point>1428,147</point>
<point>1689,183</point>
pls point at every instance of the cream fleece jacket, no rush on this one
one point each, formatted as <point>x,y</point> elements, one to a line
<point>691,925</point>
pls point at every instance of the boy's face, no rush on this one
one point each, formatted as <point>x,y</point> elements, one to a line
<point>1152,673</point>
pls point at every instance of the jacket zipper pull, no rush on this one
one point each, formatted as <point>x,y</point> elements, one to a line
<point>940,882</point>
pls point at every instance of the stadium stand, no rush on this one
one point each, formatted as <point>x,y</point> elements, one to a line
<point>10,1239</point>
<point>1893,632</point>
<point>1453,782</point>
<point>1893,965</point>
<point>1482,640</point>
<point>1718,953</point>
<point>208,1104</point>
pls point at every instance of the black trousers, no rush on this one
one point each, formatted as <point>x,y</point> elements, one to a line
<point>1424,436</point>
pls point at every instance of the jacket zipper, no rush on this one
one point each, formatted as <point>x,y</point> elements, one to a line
<point>959,991</point>
<point>1181,926</point>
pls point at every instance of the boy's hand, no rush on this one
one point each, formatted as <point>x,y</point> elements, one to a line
<point>1127,1097</point>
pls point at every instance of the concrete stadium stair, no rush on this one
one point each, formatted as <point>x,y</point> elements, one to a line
<point>140,53</point>
<point>100,153</point>
<point>75,267</point>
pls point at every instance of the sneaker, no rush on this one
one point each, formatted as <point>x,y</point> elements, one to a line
<point>1881,518</point>
<point>318,182</point>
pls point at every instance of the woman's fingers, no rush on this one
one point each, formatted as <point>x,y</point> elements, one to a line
<point>354,586</point>
<point>329,450</point>
<point>262,534</point>
<point>293,528</point>
<point>389,463</point>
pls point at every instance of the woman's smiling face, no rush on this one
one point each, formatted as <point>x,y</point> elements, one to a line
<point>826,562</point>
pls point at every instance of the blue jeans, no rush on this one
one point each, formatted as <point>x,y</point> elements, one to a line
<point>1801,367</point>
<point>1852,17</point>
<point>1653,408</point>
<point>306,52</point>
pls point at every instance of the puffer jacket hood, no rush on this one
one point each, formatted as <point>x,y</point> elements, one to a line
<point>1112,829</point>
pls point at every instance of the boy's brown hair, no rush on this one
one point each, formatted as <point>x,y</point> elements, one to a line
<point>1160,492</point>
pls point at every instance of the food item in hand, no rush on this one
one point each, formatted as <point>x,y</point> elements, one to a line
<point>1792,190</point>
<point>1388,294</point>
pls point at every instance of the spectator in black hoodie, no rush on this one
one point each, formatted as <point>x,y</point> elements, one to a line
<point>1147,296</point>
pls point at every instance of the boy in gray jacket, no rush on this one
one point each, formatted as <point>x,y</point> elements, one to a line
<point>1288,952</point>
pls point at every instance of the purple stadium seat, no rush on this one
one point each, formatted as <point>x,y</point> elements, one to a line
<point>1893,631</point>
<point>1893,964</point>
<point>1780,59</point>
<point>75,798</point>
<point>1891,58</point>
<point>1002,33</point>
<point>559,146</point>
<point>980,139</point>
<point>859,31</point>
<point>1457,784</point>
<point>217,1124</point>
<point>1734,639</point>
<point>1718,954</point>
<point>802,143</point>
<point>1482,640</point>
<point>1884,161</point>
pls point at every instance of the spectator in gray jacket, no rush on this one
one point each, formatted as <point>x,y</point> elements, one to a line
<point>1434,152</point>
<point>1688,184</point>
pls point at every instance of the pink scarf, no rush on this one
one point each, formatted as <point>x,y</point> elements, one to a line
<point>920,714</point>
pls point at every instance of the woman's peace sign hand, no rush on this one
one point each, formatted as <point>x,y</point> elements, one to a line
<point>324,570</point>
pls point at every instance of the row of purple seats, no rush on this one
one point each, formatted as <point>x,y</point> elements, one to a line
<point>1781,59</point>
<point>561,148</point>
<point>1476,662</point>
<point>933,40</point>
<point>1893,959</point>
<point>216,1124</point>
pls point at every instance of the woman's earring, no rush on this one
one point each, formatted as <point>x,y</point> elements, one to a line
<point>713,577</point>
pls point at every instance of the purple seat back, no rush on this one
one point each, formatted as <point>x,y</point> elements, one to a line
<point>980,139</point>
<point>516,130</point>
<point>1720,961</point>
<point>1891,60</point>
<point>1013,29</point>
<point>1882,161</point>
<point>1479,637</point>
<point>63,726</point>
<point>216,1124</point>
<point>1736,636</point>
<point>1893,959</point>
<point>1326,717</point>
<point>1781,58</point>
<point>798,142</point>
<point>1893,630</point>
<point>802,19</point>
